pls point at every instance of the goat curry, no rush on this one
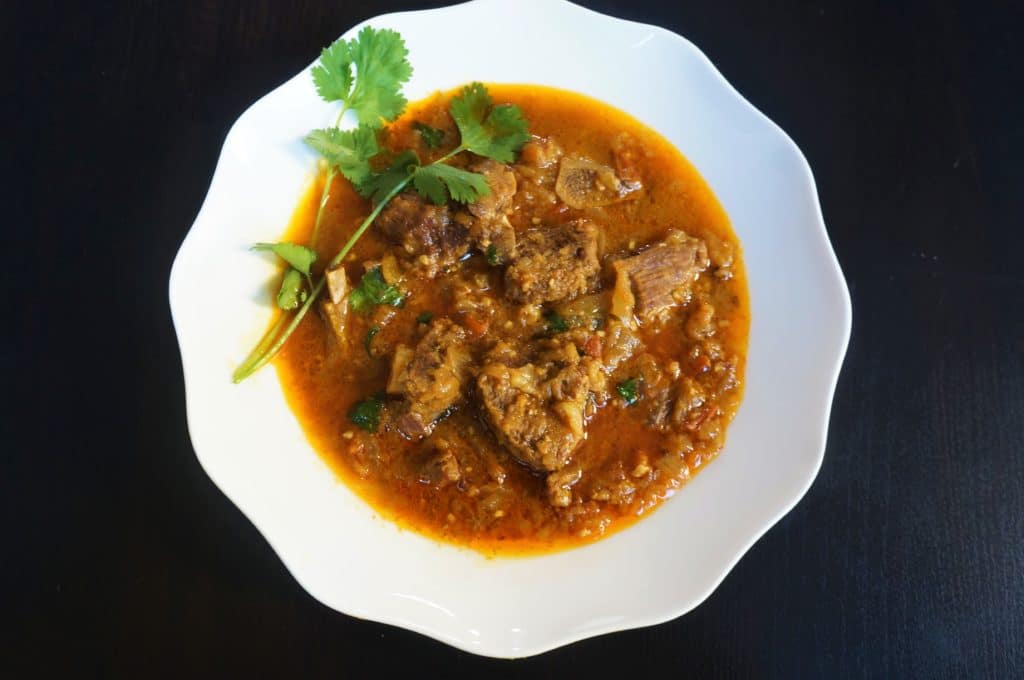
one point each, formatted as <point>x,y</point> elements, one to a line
<point>537,368</point>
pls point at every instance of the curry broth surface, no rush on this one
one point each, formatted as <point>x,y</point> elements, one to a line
<point>321,383</point>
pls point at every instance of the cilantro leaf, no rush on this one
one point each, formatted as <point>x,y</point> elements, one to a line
<point>380,184</point>
<point>425,317</point>
<point>496,132</point>
<point>291,294</point>
<point>437,180</point>
<point>555,322</point>
<point>431,135</point>
<point>629,391</point>
<point>429,185</point>
<point>492,255</point>
<point>366,413</point>
<point>348,150</point>
<point>299,257</point>
<point>381,68</point>
<point>333,75</point>
<point>373,290</point>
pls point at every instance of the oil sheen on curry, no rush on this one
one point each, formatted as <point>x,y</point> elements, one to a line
<point>568,350</point>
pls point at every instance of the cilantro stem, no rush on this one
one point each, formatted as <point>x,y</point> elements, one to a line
<point>366,223</point>
<point>245,371</point>
<point>254,355</point>
<point>274,340</point>
<point>324,195</point>
<point>457,150</point>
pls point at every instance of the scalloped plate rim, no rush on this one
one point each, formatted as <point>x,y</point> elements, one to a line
<point>669,611</point>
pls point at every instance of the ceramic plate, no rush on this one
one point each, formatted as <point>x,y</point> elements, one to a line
<point>253,448</point>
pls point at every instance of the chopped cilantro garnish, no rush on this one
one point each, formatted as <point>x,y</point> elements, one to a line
<point>366,413</point>
<point>629,391</point>
<point>373,290</point>
<point>555,322</point>
<point>493,258</point>
<point>425,317</point>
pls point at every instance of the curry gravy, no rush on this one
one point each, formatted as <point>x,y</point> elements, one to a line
<point>641,465</point>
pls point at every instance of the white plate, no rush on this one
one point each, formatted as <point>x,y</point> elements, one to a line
<point>252,447</point>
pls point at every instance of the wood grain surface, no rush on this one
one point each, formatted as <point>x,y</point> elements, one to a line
<point>906,558</point>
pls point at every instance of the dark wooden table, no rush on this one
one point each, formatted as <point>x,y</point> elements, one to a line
<point>906,558</point>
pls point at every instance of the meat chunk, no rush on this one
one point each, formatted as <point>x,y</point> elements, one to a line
<point>537,409</point>
<point>424,232</point>
<point>537,416</point>
<point>540,152</point>
<point>697,402</point>
<point>554,263</point>
<point>658,278</point>
<point>583,183</point>
<point>489,226</point>
<point>502,183</point>
<point>430,378</point>
<point>536,171</point>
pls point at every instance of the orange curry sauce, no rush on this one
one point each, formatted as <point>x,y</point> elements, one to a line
<point>642,464</point>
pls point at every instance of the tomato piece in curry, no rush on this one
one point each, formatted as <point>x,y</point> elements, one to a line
<point>567,352</point>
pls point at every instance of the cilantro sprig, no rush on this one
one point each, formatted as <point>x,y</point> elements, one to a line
<point>366,75</point>
<point>374,91</point>
<point>487,130</point>
<point>493,131</point>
